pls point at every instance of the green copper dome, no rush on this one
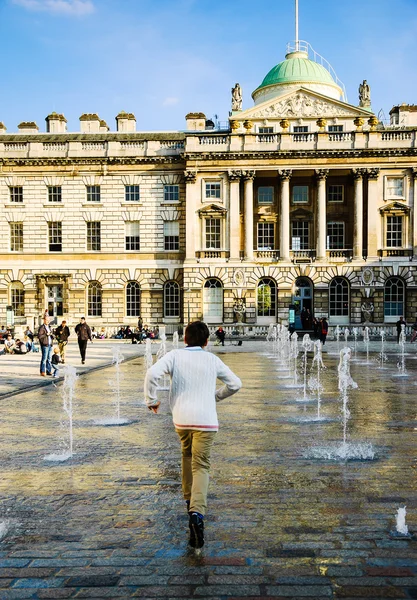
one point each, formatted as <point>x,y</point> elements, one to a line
<point>297,68</point>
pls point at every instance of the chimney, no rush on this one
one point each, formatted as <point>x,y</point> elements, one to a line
<point>28,127</point>
<point>104,128</point>
<point>90,123</point>
<point>56,123</point>
<point>3,128</point>
<point>126,122</point>
<point>196,121</point>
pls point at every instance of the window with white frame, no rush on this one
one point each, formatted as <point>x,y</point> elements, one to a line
<point>54,193</point>
<point>16,237</point>
<point>213,301</point>
<point>394,187</point>
<point>394,295</point>
<point>300,235</point>
<point>17,298</point>
<point>335,235</point>
<point>335,128</point>
<point>132,237</point>
<point>94,299</point>
<point>266,237</point>
<point>213,190</point>
<point>213,233</point>
<point>265,195</point>
<point>55,236</point>
<point>171,193</point>
<point>300,129</point>
<point>16,193</point>
<point>132,193</point>
<point>339,297</point>
<point>300,194</point>
<point>133,299</point>
<point>266,130</point>
<point>93,193</point>
<point>266,298</point>
<point>171,299</point>
<point>171,235</point>
<point>335,193</point>
<point>395,231</point>
<point>93,236</point>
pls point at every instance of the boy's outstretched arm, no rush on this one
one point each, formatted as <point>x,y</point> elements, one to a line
<point>162,367</point>
<point>231,381</point>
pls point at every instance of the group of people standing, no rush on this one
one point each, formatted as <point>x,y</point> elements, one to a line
<point>52,356</point>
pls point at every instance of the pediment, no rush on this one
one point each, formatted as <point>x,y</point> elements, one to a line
<point>300,214</point>
<point>303,103</point>
<point>395,207</point>
<point>212,209</point>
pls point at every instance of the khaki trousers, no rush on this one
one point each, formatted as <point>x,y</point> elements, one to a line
<point>61,346</point>
<point>195,450</point>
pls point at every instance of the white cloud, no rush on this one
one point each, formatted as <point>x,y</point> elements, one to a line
<point>170,101</point>
<point>59,7</point>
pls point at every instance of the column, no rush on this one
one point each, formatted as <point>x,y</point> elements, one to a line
<point>413,241</point>
<point>358,175</point>
<point>234,213</point>
<point>374,218</point>
<point>284,231</point>
<point>321,226</point>
<point>248,177</point>
<point>190,214</point>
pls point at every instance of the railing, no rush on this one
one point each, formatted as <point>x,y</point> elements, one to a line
<point>214,140</point>
<point>303,137</point>
<point>402,252</point>
<point>132,145</point>
<point>268,138</point>
<point>346,253</point>
<point>303,255</point>
<point>94,146</point>
<point>176,145</point>
<point>272,254</point>
<point>212,254</point>
<point>55,146</point>
<point>18,147</point>
<point>396,136</point>
<point>341,136</point>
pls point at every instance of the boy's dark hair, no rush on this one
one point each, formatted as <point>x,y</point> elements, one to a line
<point>196,334</point>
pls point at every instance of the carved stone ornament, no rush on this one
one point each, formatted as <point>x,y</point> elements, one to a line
<point>321,173</point>
<point>321,123</point>
<point>373,122</point>
<point>373,173</point>
<point>239,279</point>
<point>414,172</point>
<point>234,125</point>
<point>367,276</point>
<point>285,174</point>
<point>247,125</point>
<point>358,122</point>
<point>234,175</point>
<point>284,124</point>
<point>190,176</point>
<point>249,175</point>
<point>358,173</point>
<point>301,105</point>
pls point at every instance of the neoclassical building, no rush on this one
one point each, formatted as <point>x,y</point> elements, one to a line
<point>303,199</point>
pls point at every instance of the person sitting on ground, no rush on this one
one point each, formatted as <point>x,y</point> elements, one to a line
<point>9,344</point>
<point>128,333</point>
<point>120,334</point>
<point>19,347</point>
<point>94,333</point>
<point>220,334</point>
<point>55,360</point>
<point>102,335</point>
<point>3,334</point>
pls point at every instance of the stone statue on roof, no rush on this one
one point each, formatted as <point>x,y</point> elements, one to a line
<point>364,94</point>
<point>236,98</point>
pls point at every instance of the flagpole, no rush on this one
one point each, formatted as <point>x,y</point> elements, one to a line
<point>296,26</point>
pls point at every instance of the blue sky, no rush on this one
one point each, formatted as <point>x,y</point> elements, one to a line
<point>163,58</point>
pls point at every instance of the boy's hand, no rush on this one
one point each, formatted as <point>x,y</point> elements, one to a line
<point>155,407</point>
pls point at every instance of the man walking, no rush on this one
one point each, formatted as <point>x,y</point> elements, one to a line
<point>399,325</point>
<point>62,334</point>
<point>84,334</point>
<point>45,341</point>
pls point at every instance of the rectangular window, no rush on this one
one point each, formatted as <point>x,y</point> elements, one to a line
<point>16,194</point>
<point>55,236</point>
<point>266,130</point>
<point>335,235</point>
<point>394,231</point>
<point>335,193</point>
<point>54,193</point>
<point>132,193</point>
<point>394,187</point>
<point>300,238</point>
<point>266,238</point>
<point>335,128</point>
<point>171,235</point>
<point>266,195</point>
<point>93,236</point>
<point>300,129</point>
<point>213,235</point>
<point>133,235</point>
<point>171,193</point>
<point>16,237</point>
<point>93,193</point>
<point>300,194</point>
<point>213,189</point>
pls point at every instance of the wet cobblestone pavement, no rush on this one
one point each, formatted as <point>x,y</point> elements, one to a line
<point>110,522</point>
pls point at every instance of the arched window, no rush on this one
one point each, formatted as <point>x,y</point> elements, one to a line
<point>267,298</point>
<point>171,299</point>
<point>339,299</point>
<point>94,299</point>
<point>133,299</point>
<point>394,296</point>
<point>17,298</point>
<point>213,301</point>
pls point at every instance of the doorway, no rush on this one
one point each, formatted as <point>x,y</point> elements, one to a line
<point>55,300</point>
<point>303,302</point>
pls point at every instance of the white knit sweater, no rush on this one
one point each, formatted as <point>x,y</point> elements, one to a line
<point>193,394</point>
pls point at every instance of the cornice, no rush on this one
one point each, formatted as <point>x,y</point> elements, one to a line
<point>285,154</point>
<point>68,162</point>
<point>91,137</point>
